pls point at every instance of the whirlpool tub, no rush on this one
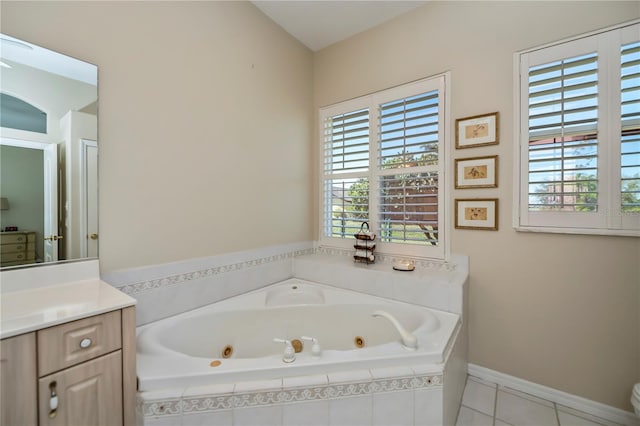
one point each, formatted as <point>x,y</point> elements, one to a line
<point>233,340</point>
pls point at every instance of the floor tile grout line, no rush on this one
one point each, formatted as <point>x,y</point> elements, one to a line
<point>475,411</point>
<point>529,397</point>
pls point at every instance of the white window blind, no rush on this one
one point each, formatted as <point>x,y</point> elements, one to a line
<point>630,134</point>
<point>382,162</point>
<point>563,135</point>
<point>408,141</point>
<point>578,140</point>
<point>347,142</point>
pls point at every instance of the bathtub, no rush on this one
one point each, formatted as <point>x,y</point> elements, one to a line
<point>233,340</point>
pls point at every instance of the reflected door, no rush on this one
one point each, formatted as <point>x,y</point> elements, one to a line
<point>90,207</point>
<point>51,203</point>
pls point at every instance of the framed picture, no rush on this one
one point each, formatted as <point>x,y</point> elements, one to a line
<point>476,172</point>
<point>479,130</point>
<point>477,213</point>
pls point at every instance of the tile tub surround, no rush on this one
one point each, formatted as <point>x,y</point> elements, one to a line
<point>345,399</point>
<point>433,284</point>
<point>400,395</point>
<point>173,288</point>
<point>169,289</point>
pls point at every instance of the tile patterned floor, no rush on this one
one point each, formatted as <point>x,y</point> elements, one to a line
<point>488,404</point>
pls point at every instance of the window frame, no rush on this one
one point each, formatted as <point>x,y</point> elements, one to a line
<point>609,219</point>
<point>441,82</point>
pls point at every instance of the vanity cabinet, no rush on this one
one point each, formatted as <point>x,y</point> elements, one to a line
<point>84,372</point>
<point>18,397</point>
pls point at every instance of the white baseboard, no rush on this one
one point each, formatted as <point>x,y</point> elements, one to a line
<point>594,408</point>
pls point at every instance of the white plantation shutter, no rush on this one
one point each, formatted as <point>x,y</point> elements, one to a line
<point>346,143</point>
<point>579,135</point>
<point>409,133</point>
<point>382,160</point>
<point>408,128</point>
<point>563,135</point>
<point>630,127</point>
<point>346,166</point>
<point>408,208</point>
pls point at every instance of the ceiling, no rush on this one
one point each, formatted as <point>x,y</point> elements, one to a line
<point>320,23</point>
<point>13,50</point>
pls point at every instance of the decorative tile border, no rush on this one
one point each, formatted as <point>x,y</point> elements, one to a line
<point>389,259</point>
<point>207,403</point>
<point>172,280</point>
<point>168,407</point>
<point>177,279</point>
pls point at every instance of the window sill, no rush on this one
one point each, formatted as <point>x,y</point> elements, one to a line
<point>579,231</point>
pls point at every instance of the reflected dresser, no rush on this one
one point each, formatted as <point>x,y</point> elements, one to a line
<point>17,248</point>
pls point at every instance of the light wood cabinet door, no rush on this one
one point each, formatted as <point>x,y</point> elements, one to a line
<point>89,394</point>
<point>18,392</point>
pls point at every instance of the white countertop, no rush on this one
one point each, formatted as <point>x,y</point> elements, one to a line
<point>37,308</point>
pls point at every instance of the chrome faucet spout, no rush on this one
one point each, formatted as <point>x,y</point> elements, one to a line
<point>409,341</point>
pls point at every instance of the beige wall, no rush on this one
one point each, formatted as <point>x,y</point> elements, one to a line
<point>558,310</point>
<point>205,123</point>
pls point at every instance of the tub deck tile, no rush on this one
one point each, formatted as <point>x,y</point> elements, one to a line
<point>349,376</point>
<point>307,381</point>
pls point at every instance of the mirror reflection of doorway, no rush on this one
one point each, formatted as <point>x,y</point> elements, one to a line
<point>90,198</point>
<point>29,183</point>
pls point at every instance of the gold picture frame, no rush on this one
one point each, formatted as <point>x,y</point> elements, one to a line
<point>478,130</point>
<point>476,213</point>
<point>476,172</point>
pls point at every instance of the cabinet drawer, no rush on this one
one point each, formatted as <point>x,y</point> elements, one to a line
<point>78,341</point>
<point>12,257</point>
<point>18,238</point>
<point>15,248</point>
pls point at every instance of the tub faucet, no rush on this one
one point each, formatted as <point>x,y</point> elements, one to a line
<point>289,351</point>
<point>316,351</point>
<point>409,341</point>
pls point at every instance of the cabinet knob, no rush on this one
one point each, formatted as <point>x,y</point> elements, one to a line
<point>93,236</point>
<point>85,343</point>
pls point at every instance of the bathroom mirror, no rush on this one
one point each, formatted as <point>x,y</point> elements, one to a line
<point>48,156</point>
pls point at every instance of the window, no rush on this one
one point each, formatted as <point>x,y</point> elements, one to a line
<point>578,151</point>
<point>383,160</point>
<point>18,114</point>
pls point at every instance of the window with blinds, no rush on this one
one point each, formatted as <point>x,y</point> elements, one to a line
<point>382,162</point>
<point>578,159</point>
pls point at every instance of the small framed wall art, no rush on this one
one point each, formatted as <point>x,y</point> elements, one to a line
<point>476,172</point>
<point>477,213</point>
<point>479,130</point>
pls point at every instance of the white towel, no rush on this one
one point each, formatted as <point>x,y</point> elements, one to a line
<point>366,254</point>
